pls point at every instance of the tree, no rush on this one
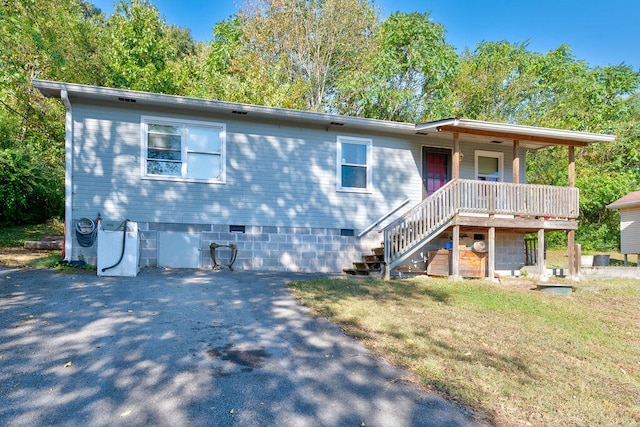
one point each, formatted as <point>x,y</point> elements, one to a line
<point>54,40</point>
<point>233,72</point>
<point>494,82</point>
<point>290,52</point>
<point>137,49</point>
<point>407,76</point>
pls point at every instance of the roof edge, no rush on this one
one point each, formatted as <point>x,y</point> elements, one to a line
<point>615,205</point>
<point>53,89</point>
<point>507,128</point>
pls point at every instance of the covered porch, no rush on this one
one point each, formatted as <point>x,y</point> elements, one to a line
<point>490,205</point>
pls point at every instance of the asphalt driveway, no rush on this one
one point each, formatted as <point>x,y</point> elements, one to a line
<point>189,348</point>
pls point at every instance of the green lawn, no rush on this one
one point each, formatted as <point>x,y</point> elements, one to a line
<point>520,356</point>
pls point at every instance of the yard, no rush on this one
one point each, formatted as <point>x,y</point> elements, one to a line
<point>13,254</point>
<point>518,355</point>
<point>521,357</point>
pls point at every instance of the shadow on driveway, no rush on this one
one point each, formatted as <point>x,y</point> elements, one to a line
<point>189,347</point>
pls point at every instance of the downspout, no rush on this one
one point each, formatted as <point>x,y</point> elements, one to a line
<point>68,159</point>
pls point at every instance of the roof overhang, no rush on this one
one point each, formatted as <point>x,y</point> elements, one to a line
<point>528,136</point>
<point>628,201</point>
<point>130,97</point>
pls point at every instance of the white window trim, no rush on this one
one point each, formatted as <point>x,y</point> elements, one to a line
<point>146,120</point>
<point>495,154</point>
<point>353,140</point>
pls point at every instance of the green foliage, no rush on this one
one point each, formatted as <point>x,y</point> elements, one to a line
<point>69,40</point>
<point>51,40</point>
<point>289,53</point>
<point>408,75</point>
<point>506,82</point>
<point>14,236</point>
<point>29,189</point>
<point>137,49</point>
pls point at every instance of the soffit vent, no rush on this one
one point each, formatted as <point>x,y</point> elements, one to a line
<point>240,113</point>
<point>336,124</point>
<point>130,100</point>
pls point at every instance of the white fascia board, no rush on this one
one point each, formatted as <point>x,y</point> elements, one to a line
<point>53,89</point>
<point>516,129</point>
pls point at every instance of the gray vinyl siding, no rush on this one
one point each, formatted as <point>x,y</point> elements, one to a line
<point>277,174</point>
<point>630,230</point>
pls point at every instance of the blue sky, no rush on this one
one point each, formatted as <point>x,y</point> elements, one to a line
<point>599,32</point>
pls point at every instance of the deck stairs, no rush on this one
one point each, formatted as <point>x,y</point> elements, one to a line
<point>407,234</point>
<point>435,214</point>
<point>369,264</point>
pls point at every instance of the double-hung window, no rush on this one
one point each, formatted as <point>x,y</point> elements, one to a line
<point>489,165</point>
<point>354,164</point>
<point>183,149</point>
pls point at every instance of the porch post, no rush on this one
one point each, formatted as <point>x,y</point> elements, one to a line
<point>571,235</point>
<point>542,267</point>
<point>571,246</point>
<point>456,156</point>
<point>455,253</point>
<point>572,166</point>
<point>516,162</point>
<point>492,253</point>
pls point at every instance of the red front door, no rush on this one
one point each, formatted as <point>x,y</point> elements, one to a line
<point>436,169</point>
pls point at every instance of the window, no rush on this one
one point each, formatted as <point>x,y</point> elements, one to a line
<point>489,165</point>
<point>237,229</point>
<point>183,149</point>
<point>354,164</point>
<point>347,232</point>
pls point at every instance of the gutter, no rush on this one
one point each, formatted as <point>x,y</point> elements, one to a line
<point>68,158</point>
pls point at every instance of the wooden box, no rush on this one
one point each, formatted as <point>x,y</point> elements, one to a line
<point>472,264</point>
<point>438,263</point>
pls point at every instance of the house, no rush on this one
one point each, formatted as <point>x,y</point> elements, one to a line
<point>629,206</point>
<point>304,191</point>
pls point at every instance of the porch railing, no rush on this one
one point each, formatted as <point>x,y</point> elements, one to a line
<point>424,221</point>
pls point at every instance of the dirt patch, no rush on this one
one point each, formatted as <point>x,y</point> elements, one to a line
<point>20,257</point>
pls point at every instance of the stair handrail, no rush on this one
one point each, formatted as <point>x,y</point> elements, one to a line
<point>383,217</point>
<point>414,225</point>
<point>433,195</point>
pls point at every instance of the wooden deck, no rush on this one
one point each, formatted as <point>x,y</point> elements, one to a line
<point>481,205</point>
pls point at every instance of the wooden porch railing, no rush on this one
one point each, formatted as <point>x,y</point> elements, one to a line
<point>426,220</point>
<point>504,198</point>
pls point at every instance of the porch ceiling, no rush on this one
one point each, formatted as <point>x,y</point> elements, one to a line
<point>528,136</point>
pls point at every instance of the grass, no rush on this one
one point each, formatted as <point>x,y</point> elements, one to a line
<point>558,258</point>
<point>13,254</point>
<point>521,357</point>
<point>15,236</point>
